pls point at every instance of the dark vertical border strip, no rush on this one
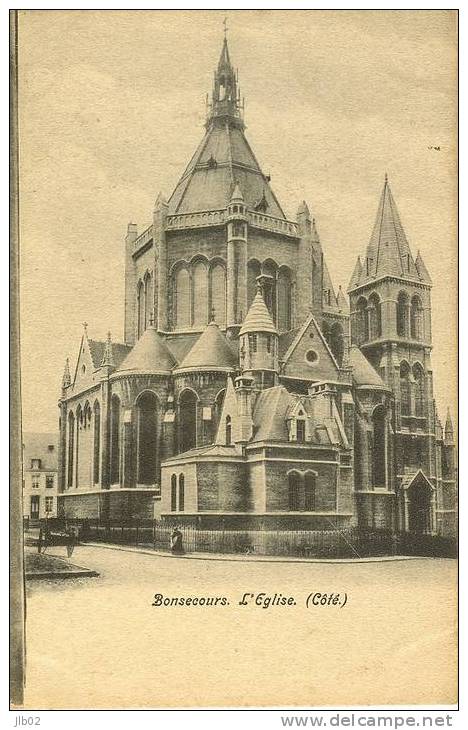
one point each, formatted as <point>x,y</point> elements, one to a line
<point>17,591</point>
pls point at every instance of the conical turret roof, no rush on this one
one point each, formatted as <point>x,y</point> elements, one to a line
<point>421,269</point>
<point>258,317</point>
<point>150,354</point>
<point>211,350</point>
<point>342,301</point>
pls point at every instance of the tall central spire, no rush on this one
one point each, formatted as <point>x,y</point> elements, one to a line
<point>225,97</point>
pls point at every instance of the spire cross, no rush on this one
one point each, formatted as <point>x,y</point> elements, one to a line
<point>225,27</point>
<point>85,327</point>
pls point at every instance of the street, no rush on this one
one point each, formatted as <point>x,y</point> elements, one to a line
<point>99,642</point>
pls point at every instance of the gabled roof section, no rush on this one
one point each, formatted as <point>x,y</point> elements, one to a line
<point>211,350</point>
<point>364,375</point>
<point>258,317</point>
<point>150,354</point>
<point>418,475</point>
<point>297,361</point>
<point>388,252</point>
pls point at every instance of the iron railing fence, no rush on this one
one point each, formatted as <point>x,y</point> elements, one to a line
<point>332,544</point>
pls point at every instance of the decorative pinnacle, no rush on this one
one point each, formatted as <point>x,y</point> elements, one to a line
<point>386,178</point>
<point>85,327</point>
<point>66,380</point>
<point>108,357</point>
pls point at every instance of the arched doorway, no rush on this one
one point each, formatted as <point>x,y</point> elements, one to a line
<point>147,438</point>
<point>419,506</point>
<point>187,420</point>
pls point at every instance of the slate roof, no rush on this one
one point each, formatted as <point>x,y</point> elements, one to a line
<point>222,159</point>
<point>210,350</point>
<point>36,446</point>
<point>119,351</point>
<point>258,317</point>
<point>149,354</point>
<point>210,450</point>
<point>364,374</point>
<point>388,252</point>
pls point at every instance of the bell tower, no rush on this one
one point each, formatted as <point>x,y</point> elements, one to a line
<point>390,297</point>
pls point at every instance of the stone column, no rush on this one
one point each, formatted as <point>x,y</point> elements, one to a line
<point>130,294</point>
<point>129,476</point>
<point>160,289</point>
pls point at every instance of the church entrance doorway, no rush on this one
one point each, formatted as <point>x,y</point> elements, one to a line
<point>419,506</point>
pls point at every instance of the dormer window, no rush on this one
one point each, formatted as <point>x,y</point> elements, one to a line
<point>300,430</point>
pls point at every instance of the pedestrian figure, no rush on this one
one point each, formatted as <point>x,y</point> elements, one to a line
<point>176,542</point>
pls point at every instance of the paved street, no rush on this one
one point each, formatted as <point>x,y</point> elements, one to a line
<point>98,642</point>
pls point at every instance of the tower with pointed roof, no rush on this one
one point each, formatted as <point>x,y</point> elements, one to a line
<point>390,295</point>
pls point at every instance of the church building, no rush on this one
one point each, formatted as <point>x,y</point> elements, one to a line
<point>248,391</point>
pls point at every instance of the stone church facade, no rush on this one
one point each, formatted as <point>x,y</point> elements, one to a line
<point>248,392</point>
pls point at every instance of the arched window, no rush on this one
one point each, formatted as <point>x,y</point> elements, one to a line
<point>71,448</point>
<point>218,294</point>
<point>253,271</point>
<point>182,299</point>
<point>309,491</point>
<point>173,492</point>
<point>217,408</point>
<point>416,318</point>
<point>149,303</point>
<point>378,451</point>
<point>336,341</point>
<point>362,322</point>
<point>181,492</point>
<point>300,429</point>
<point>96,442</point>
<point>402,315</point>
<point>284,299</point>
<point>405,389</point>
<point>187,420</point>
<point>294,481</point>
<point>375,317</point>
<point>200,294</point>
<point>270,269</point>
<point>419,390</point>
<point>140,308</point>
<point>147,438</point>
<point>115,440</point>
<point>79,428</point>
<point>228,431</point>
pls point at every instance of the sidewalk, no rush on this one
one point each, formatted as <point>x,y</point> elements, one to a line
<point>145,550</point>
<point>41,566</point>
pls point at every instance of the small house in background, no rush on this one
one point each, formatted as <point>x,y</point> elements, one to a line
<point>40,475</point>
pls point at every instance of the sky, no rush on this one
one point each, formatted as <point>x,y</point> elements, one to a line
<point>112,107</point>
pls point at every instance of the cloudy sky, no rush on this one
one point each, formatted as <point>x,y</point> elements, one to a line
<point>112,108</point>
